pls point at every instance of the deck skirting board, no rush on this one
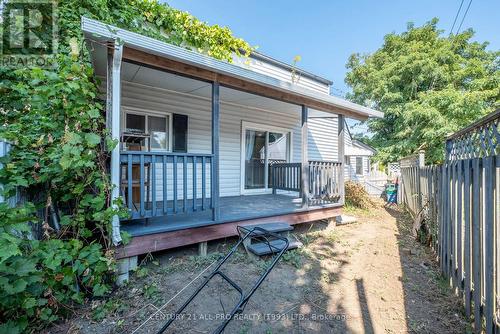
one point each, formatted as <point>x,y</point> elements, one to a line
<point>167,240</point>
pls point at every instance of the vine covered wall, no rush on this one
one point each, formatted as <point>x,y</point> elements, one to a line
<point>54,120</point>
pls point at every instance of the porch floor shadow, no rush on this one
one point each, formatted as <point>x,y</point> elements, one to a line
<point>233,208</point>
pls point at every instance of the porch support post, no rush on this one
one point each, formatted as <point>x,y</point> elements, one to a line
<point>215,151</point>
<point>305,158</point>
<point>114,103</point>
<point>341,153</point>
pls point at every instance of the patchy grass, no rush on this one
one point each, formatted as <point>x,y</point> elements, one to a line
<point>294,257</point>
<point>325,275</point>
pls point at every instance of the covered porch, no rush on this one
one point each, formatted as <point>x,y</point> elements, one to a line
<point>206,143</point>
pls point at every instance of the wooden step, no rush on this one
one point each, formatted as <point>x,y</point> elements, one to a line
<point>271,227</point>
<point>262,248</point>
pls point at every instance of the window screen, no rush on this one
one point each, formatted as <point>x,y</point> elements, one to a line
<point>180,129</point>
<point>135,123</point>
<point>359,165</point>
<point>157,127</point>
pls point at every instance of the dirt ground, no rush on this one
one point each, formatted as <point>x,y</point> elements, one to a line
<point>366,277</point>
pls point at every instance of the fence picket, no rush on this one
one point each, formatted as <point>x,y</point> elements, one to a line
<point>462,196</point>
<point>476,244</point>
<point>489,242</point>
<point>459,209</point>
<point>467,236</point>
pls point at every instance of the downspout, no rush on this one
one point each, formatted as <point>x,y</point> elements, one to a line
<point>115,133</point>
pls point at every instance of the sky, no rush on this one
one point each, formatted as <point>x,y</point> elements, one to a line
<point>326,32</point>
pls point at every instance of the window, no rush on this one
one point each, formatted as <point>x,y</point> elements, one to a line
<point>359,165</point>
<point>180,129</point>
<point>157,129</point>
<point>135,123</point>
<point>262,146</point>
<point>157,134</point>
<point>347,160</point>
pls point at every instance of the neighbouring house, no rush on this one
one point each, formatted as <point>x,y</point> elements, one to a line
<point>357,158</point>
<point>206,145</point>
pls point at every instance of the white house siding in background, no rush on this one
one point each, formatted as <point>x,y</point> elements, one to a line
<point>350,169</point>
<point>280,73</point>
<point>357,159</point>
<point>323,143</point>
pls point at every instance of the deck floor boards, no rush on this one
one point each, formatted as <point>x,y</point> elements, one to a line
<point>232,209</point>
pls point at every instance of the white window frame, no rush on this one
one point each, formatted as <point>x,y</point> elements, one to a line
<point>266,128</point>
<point>147,113</point>
<point>347,160</point>
<point>360,165</point>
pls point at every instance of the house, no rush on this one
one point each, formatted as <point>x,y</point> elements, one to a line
<point>206,145</point>
<point>357,158</point>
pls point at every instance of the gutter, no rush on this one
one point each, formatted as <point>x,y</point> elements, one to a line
<point>95,29</point>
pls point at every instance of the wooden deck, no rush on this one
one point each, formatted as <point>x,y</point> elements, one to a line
<point>171,231</point>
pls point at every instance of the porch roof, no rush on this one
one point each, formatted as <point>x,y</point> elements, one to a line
<point>147,50</point>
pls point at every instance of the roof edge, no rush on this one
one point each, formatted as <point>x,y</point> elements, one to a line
<point>364,145</point>
<point>99,30</point>
<point>260,56</point>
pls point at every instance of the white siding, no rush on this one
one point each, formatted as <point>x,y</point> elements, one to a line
<point>277,72</point>
<point>322,135</point>
<point>353,150</point>
<point>350,171</point>
<point>323,142</point>
<point>198,110</point>
<point>231,118</point>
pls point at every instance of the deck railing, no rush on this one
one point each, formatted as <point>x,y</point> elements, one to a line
<point>324,180</point>
<point>156,184</point>
<point>159,183</point>
<point>286,176</point>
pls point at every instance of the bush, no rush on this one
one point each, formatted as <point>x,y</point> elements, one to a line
<point>53,118</point>
<point>356,195</point>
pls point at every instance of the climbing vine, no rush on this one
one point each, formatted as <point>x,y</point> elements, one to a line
<point>55,246</point>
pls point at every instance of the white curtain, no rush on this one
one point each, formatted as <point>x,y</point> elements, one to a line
<point>249,143</point>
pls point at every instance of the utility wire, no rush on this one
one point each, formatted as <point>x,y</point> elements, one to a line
<point>456,17</point>
<point>463,18</point>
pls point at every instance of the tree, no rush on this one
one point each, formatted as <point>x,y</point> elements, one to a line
<point>428,85</point>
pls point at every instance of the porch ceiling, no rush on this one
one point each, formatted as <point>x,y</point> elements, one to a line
<point>155,78</point>
<point>146,50</point>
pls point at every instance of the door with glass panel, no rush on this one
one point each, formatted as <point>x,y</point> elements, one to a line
<point>262,149</point>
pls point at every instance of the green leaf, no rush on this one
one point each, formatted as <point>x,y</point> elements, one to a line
<point>30,303</point>
<point>16,287</point>
<point>92,139</point>
<point>11,327</point>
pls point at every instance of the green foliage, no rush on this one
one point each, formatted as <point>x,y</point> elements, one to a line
<point>427,85</point>
<point>293,257</point>
<point>54,120</point>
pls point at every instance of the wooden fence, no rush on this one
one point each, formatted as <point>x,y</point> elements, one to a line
<point>460,201</point>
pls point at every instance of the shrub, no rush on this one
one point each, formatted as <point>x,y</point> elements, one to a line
<point>356,195</point>
<point>54,120</point>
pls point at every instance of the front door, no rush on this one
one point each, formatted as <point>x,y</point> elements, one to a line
<point>261,149</point>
